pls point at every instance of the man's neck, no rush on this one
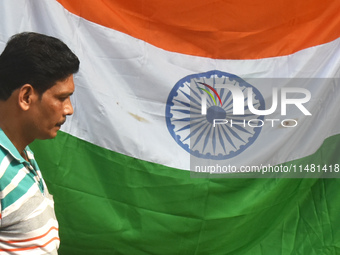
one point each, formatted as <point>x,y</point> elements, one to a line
<point>13,129</point>
<point>16,139</point>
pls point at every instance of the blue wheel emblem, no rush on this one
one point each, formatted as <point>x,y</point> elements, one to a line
<point>195,104</point>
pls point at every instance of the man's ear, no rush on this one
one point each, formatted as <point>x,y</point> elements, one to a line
<point>26,96</point>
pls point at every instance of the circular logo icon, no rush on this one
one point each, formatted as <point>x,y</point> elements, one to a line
<point>208,114</point>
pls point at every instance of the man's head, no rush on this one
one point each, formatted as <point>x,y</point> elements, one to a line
<point>36,82</point>
<point>35,59</point>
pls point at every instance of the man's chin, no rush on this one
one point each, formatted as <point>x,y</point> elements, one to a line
<point>49,135</point>
<point>54,134</point>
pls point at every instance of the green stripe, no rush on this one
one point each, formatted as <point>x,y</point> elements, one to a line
<point>108,203</point>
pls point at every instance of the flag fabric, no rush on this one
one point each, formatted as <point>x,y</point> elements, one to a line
<point>119,168</point>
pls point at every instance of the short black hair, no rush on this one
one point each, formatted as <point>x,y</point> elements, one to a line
<point>36,59</point>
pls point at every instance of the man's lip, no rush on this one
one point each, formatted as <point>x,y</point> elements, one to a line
<point>60,123</point>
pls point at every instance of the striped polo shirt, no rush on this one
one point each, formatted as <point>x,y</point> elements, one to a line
<point>27,220</point>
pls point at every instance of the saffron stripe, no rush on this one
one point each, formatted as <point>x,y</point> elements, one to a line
<point>237,30</point>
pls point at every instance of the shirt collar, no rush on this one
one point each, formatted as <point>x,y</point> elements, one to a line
<point>8,146</point>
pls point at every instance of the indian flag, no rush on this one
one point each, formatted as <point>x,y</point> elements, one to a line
<point>119,169</point>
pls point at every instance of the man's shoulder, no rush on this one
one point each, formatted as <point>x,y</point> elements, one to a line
<point>8,169</point>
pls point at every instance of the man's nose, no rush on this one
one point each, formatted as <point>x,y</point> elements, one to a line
<point>68,110</point>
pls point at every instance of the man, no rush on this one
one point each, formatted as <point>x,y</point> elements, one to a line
<point>36,82</point>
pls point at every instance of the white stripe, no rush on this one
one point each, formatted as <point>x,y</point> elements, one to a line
<point>18,203</point>
<point>124,84</point>
<point>41,208</point>
<point>4,164</point>
<point>14,183</point>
